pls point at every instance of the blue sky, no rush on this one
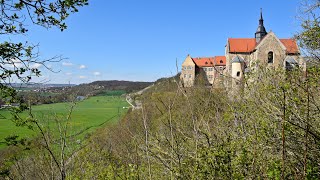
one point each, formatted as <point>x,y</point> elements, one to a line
<point>140,40</point>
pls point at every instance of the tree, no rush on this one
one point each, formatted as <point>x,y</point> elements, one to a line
<point>19,59</point>
<point>309,37</point>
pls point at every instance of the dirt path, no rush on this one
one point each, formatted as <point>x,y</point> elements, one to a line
<point>135,104</point>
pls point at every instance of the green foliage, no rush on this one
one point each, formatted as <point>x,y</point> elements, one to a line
<point>12,140</point>
<point>266,129</point>
<point>113,93</point>
<point>201,133</point>
<point>309,36</point>
<point>53,126</point>
<point>17,59</point>
<point>46,13</point>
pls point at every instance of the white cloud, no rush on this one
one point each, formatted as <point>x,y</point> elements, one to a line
<point>82,77</point>
<point>36,65</point>
<point>17,63</point>
<point>67,64</point>
<point>82,67</point>
<point>97,73</point>
<point>13,63</point>
<point>49,66</point>
<point>68,73</point>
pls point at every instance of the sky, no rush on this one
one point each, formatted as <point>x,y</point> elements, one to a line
<point>143,40</point>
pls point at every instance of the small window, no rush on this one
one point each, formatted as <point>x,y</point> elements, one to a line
<point>210,69</point>
<point>205,69</point>
<point>206,62</point>
<point>238,73</point>
<point>185,76</point>
<point>270,57</point>
<point>190,76</point>
<point>221,62</point>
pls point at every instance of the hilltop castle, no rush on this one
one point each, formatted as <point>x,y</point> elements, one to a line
<point>240,55</point>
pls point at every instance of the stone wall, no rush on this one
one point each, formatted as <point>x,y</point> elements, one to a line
<point>188,72</point>
<point>270,44</point>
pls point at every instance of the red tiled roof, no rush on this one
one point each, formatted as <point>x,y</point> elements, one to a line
<point>220,60</point>
<point>210,61</point>
<point>291,45</point>
<point>247,45</point>
<point>242,44</point>
<point>203,61</point>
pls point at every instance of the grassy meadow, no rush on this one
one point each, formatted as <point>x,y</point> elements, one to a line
<point>87,116</point>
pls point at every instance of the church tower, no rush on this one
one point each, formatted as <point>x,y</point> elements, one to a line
<point>261,31</point>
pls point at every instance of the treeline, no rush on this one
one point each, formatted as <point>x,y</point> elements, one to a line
<point>68,94</point>
<point>37,98</point>
<point>128,86</point>
<point>97,87</point>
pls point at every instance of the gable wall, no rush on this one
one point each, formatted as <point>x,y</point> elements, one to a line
<point>188,72</point>
<point>270,43</point>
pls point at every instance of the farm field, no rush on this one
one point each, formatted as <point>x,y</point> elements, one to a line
<point>87,116</point>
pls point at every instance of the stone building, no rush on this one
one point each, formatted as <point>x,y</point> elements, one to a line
<point>241,54</point>
<point>211,67</point>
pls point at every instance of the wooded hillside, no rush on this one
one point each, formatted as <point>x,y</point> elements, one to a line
<point>267,130</point>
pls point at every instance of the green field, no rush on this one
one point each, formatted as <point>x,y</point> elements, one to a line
<point>87,116</point>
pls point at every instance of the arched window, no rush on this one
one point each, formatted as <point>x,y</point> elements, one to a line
<point>270,57</point>
<point>238,73</point>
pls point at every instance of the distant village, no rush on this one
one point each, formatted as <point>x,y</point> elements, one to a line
<point>36,94</point>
